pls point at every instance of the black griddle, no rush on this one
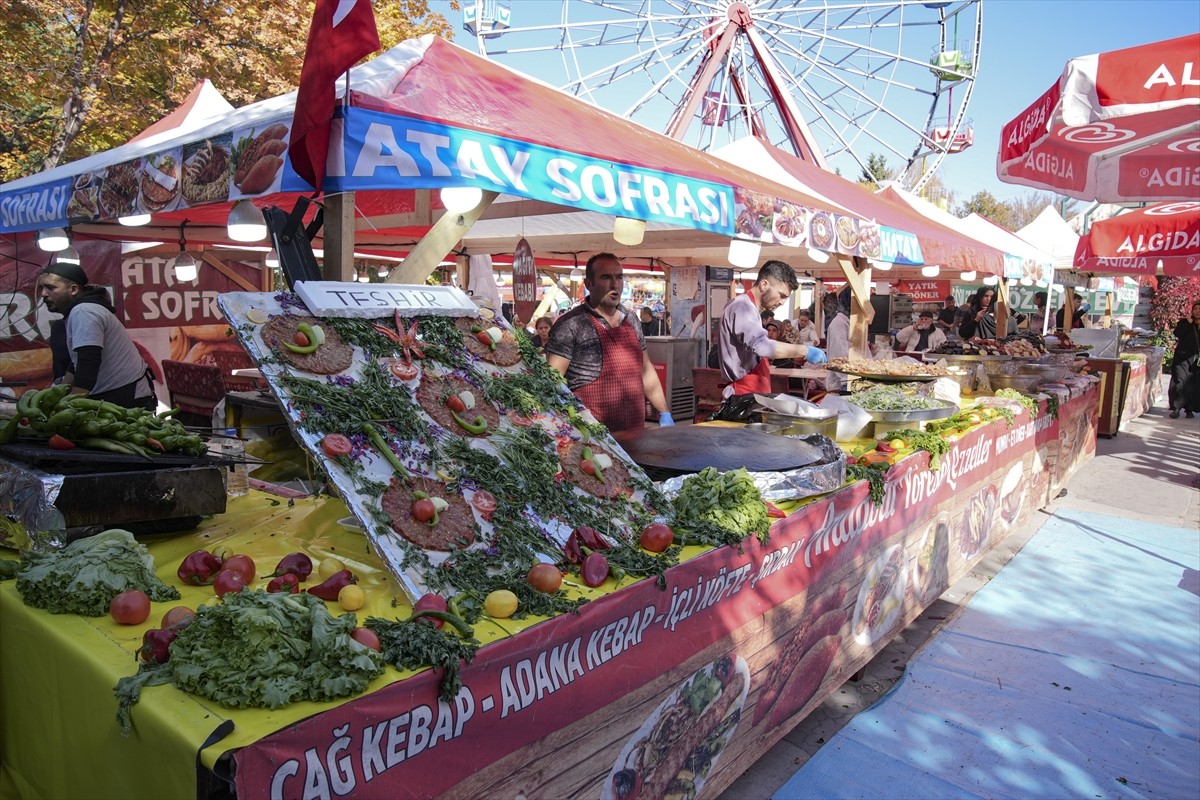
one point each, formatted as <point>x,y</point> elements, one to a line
<point>684,449</point>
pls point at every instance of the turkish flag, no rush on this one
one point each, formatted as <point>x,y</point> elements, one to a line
<point>342,32</point>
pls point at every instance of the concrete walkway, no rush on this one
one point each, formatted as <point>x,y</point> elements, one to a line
<point>1148,472</point>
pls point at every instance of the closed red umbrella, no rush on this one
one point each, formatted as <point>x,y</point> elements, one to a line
<point>1139,242</point>
<point>1122,126</point>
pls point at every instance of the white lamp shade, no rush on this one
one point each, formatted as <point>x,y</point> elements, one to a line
<point>1043,283</point>
<point>819,256</point>
<point>272,258</point>
<point>52,240</point>
<point>576,274</point>
<point>744,253</point>
<point>882,266</point>
<point>134,220</point>
<point>246,223</point>
<point>967,275</point>
<point>186,268</point>
<point>1012,282</point>
<point>460,199</point>
<point>628,231</point>
<point>68,256</point>
<point>931,271</point>
<point>990,280</point>
<point>1027,281</point>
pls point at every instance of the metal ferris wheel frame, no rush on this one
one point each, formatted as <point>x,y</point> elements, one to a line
<point>832,81</point>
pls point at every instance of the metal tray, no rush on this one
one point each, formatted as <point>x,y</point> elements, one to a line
<point>887,377</point>
<point>948,409</point>
<point>691,448</point>
<point>933,358</point>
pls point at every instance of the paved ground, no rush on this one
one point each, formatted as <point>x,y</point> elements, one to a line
<point>1150,471</point>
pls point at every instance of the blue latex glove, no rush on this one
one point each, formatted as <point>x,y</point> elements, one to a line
<point>665,420</point>
<point>815,355</point>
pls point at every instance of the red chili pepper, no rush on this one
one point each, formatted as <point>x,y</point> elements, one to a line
<point>388,332</point>
<point>592,539</point>
<point>61,443</point>
<point>199,568</point>
<point>330,588</point>
<point>287,582</point>
<point>156,444</point>
<point>297,564</point>
<point>572,549</point>
<point>156,645</point>
<point>774,511</point>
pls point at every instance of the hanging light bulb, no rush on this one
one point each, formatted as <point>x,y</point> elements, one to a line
<point>882,266</point>
<point>1043,283</point>
<point>134,220</point>
<point>576,274</point>
<point>383,271</point>
<point>744,253</point>
<point>186,268</point>
<point>628,231</point>
<point>1012,282</point>
<point>68,256</point>
<point>990,280</point>
<point>819,256</point>
<point>363,277</point>
<point>931,271</point>
<point>460,199</point>
<point>272,259</point>
<point>246,223</point>
<point>1027,281</point>
<point>52,240</point>
<point>967,275</point>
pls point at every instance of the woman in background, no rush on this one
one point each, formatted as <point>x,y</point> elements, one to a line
<point>541,334</point>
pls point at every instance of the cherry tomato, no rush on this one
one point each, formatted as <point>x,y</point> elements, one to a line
<point>366,637</point>
<point>656,538</point>
<point>545,578</point>
<point>587,467</point>
<point>423,510</point>
<point>484,501</point>
<point>301,339</point>
<point>483,338</point>
<point>177,618</point>
<point>335,445</point>
<point>456,404</point>
<point>228,581</point>
<point>131,607</point>
<point>402,370</point>
<point>243,566</point>
<point>431,602</point>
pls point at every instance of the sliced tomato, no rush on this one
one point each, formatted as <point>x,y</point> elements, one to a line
<point>456,404</point>
<point>301,339</point>
<point>484,501</point>
<point>588,467</point>
<point>483,338</point>
<point>335,444</point>
<point>402,370</point>
<point>423,510</point>
<point>519,419</point>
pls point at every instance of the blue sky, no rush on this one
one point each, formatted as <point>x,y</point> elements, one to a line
<point>1025,45</point>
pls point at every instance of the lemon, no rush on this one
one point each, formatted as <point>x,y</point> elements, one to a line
<point>257,316</point>
<point>500,604</point>
<point>329,567</point>
<point>352,597</point>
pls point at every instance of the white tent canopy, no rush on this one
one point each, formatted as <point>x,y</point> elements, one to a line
<point>1051,233</point>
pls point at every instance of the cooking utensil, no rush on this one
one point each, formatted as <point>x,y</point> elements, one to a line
<point>824,423</point>
<point>691,448</point>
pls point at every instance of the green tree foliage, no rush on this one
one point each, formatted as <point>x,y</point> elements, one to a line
<point>876,173</point>
<point>986,205</point>
<point>85,75</point>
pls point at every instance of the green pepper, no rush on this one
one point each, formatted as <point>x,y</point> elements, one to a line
<point>377,439</point>
<point>459,624</point>
<point>9,430</point>
<point>477,427</point>
<point>304,349</point>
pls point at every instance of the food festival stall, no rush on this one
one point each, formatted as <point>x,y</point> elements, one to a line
<point>673,677</point>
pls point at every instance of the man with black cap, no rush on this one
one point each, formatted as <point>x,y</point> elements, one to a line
<point>105,363</point>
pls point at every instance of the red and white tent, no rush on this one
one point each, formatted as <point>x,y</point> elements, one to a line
<point>1140,242</point>
<point>1117,127</point>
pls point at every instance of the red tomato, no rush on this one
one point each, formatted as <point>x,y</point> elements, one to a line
<point>60,443</point>
<point>335,445</point>
<point>656,538</point>
<point>300,338</point>
<point>587,467</point>
<point>228,581</point>
<point>177,618</point>
<point>456,404</point>
<point>431,602</point>
<point>423,510</point>
<point>402,370</point>
<point>519,419</point>
<point>243,566</point>
<point>366,637</point>
<point>483,338</point>
<point>484,501</point>
<point>131,607</point>
<point>545,578</point>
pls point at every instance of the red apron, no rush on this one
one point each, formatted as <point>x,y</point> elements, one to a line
<point>756,381</point>
<point>617,397</point>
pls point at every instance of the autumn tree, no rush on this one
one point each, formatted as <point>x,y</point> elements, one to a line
<point>986,205</point>
<point>1025,208</point>
<point>87,75</point>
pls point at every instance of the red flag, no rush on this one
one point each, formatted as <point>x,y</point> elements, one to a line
<point>342,32</point>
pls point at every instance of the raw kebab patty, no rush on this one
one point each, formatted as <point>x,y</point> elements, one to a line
<point>332,356</point>
<point>506,353</point>
<point>616,477</point>
<point>455,526</point>
<point>431,396</point>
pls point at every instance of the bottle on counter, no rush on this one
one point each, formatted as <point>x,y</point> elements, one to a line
<point>237,480</point>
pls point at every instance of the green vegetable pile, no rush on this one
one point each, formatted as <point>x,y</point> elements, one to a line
<point>931,443</point>
<point>873,474</point>
<point>87,574</point>
<point>881,397</point>
<point>726,501</point>
<point>416,645</point>
<point>1012,394</point>
<point>259,649</point>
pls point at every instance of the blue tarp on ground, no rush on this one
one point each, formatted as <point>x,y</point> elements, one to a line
<point>1075,673</point>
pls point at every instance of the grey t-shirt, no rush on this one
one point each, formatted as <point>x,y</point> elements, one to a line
<point>574,338</point>
<point>743,338</point>
<point>93,325</point>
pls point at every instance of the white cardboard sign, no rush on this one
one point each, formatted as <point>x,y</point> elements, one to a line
<point>369,300</point>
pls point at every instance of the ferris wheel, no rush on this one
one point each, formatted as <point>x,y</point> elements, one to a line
<point>834,82</point>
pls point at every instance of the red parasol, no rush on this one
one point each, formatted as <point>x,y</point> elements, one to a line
<point>1117,127</point>
<point>1137,242</point>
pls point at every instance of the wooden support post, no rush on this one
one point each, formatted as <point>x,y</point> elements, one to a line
<point>858,276</point>
<point>1001,308</point>
<point>819,308</point>
<point>1069,309</point>
<point>1107,320</point>
<point>440,240</point>
<point>338,262</point>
